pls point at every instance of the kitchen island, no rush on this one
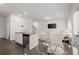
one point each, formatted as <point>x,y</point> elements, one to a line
<point>28,40</point>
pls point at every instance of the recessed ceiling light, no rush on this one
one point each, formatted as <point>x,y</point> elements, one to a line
<point>19,15</point>
<point>25,12</point>
<point>47,18</point>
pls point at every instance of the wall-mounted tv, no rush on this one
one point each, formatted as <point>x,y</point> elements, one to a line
<point>52,26</point>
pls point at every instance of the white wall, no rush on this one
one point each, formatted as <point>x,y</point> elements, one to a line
<point>61,25</point>
<point>3,27</point>
<point>15,25</point>
<point>73,17</point>
<point>76,22</point>
<point>35,27</point>
<point>55,35</point>
<point>8,27</point>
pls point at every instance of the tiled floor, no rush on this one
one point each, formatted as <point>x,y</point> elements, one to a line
<point>39,50</point>
<point>42,50</point>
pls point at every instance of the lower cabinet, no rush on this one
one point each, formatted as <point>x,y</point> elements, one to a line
<point>19,38</point>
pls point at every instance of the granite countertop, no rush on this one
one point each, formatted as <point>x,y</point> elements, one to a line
<point>23,33</point>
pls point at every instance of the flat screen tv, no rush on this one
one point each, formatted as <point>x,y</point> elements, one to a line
<point>51,26</point>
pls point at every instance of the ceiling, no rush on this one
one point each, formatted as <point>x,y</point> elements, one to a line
<point>37,11</point>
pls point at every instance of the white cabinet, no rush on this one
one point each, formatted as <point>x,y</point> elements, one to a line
<point>34,41</point>
<point>19,38</point>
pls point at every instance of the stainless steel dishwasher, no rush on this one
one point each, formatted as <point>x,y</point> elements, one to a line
<point>25,40</point>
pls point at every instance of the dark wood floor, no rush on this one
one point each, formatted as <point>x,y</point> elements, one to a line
<point>8,47</point>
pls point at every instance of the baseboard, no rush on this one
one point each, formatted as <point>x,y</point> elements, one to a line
<point>2,38</point>
<point>18,43</point>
